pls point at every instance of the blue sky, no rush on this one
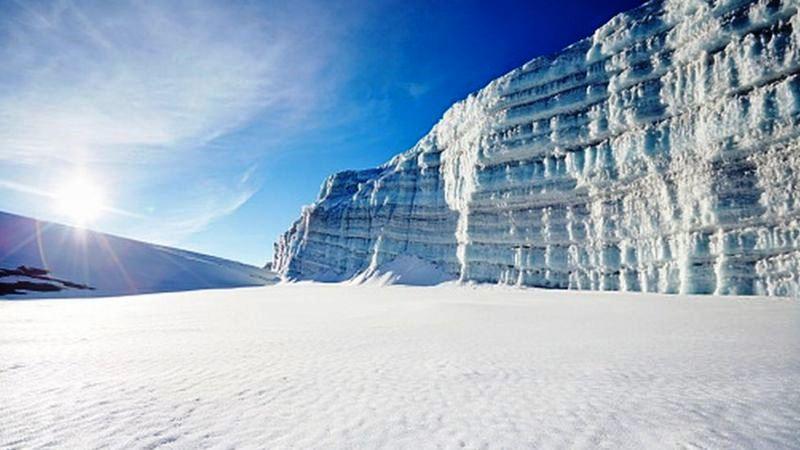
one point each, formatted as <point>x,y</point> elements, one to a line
<point>208,125</point>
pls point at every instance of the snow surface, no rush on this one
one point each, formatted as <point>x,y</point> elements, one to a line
<point>112,265</point>
<point>332,366</point>
<point>660,154</point>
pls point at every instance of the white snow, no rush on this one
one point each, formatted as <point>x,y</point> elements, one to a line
<point>333,366</point>
<point>113,265</point>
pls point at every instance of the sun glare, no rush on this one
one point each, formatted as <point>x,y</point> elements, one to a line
<point>81,200</point>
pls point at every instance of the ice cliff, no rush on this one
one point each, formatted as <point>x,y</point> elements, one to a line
<point>661,154</point>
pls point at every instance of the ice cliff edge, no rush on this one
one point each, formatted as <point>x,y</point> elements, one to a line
<point>661,154</point>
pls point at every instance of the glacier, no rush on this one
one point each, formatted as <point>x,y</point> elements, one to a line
<point>660,154</point>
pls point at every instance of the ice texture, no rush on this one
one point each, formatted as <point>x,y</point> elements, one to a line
<point>660,154</point>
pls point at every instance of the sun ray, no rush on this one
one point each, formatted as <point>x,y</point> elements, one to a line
<point>117,262</point>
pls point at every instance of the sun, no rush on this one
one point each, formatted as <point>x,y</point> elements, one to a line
<point>81,200</point>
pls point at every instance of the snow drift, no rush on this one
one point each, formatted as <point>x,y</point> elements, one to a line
<point>403,270</point>
<point>46,259</point>
<point>661,154</point>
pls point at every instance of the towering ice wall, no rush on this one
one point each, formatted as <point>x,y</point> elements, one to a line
<point>661,154</point>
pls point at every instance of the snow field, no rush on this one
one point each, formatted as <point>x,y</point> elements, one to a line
<point>334,366</point>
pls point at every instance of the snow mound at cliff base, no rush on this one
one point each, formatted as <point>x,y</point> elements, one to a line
<point>404,270</point>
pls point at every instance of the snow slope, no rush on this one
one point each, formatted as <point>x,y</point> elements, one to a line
<point>109,265</point>
<point>330,366</point>
<point>660,154</point>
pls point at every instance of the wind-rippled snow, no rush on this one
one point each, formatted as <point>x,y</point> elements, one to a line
<point>332,366</point>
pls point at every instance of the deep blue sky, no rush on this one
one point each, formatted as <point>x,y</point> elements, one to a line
<point>209,128</point>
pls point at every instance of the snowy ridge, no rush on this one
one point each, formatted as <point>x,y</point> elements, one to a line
<point>43,259</point>
<point>661,154</point>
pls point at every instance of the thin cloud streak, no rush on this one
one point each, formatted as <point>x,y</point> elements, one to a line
<point>31,190</point>
<point>151,86</point>
<point>123,77</point>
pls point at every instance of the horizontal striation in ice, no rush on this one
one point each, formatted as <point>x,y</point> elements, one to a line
<point>661,154</point>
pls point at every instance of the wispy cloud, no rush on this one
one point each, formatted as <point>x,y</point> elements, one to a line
<point>23,188</point>
<point>214,201</point>
<point>52,195</point>
<point>417,90</point>
<point>149,85</point>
